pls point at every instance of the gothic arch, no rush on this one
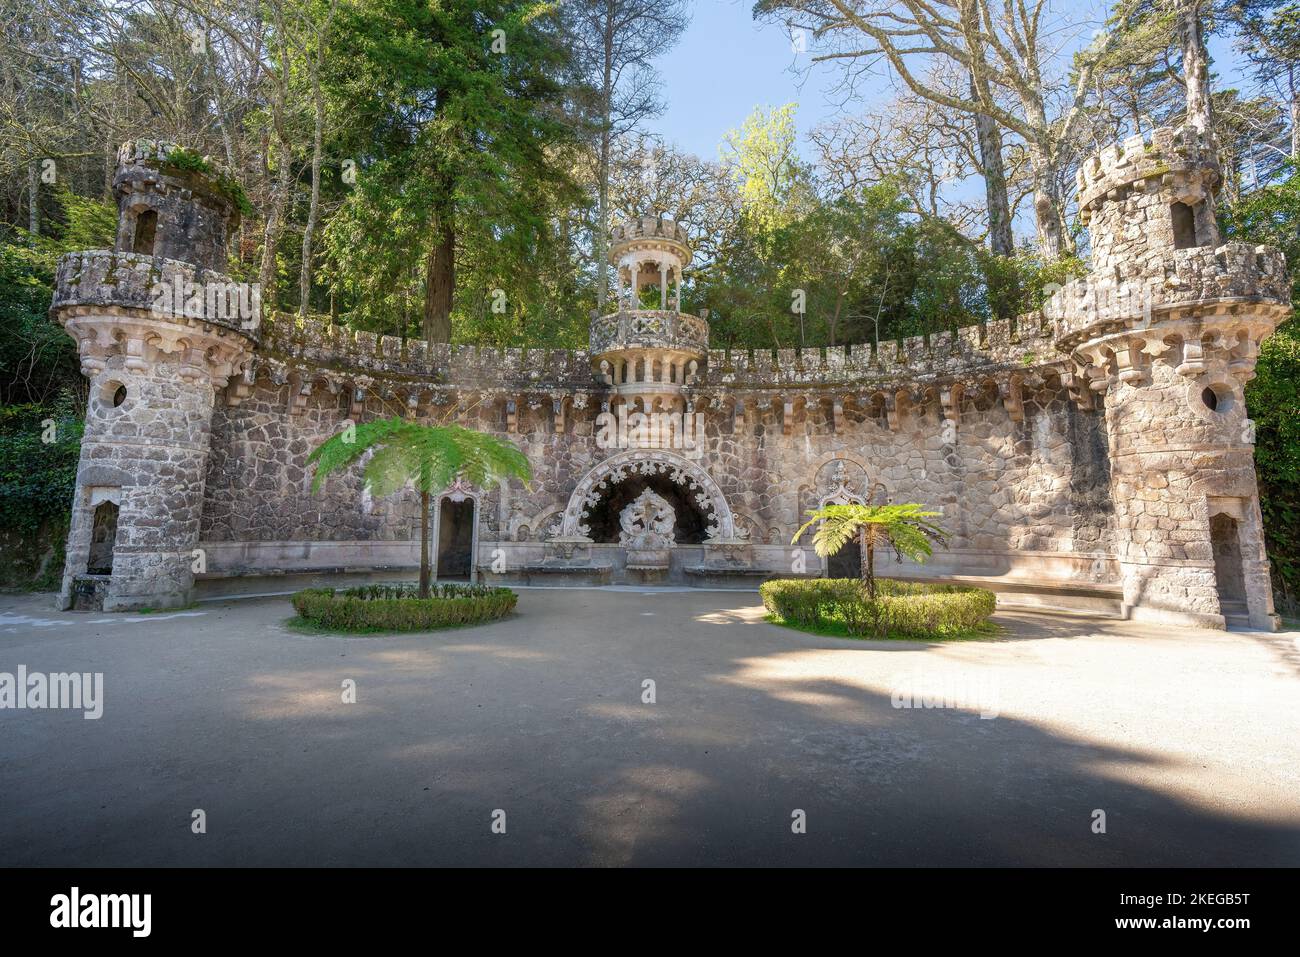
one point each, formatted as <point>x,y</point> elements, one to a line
<point>682,471</point>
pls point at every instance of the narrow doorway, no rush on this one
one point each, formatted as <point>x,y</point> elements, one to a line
<point>103,536</point>
<point>146,229</point>
<point>455,540</point>
<point>1228,574</point>
<point>847,562</point>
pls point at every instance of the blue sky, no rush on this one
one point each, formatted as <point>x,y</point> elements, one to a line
<point>725,64</point>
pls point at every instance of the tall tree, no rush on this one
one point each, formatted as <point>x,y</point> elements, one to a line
<point>1002,44</point>
<point>1269,36</point>
<point>763,161</point>
<point>460,108</point>
<point>614,42</point>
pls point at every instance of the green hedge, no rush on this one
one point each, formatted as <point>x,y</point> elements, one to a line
<point>398,607</point>
<point>900,610</point>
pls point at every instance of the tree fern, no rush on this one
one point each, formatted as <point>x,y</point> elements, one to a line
<point>428,457</point>
<point>906,528</point>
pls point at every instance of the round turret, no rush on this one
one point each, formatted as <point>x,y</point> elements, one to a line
<point>171,205</point>
<point>1140,201</point>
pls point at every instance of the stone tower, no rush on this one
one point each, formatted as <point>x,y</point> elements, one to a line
<point>649,355</point>
<point>1165,333</point>
<point>159,327</point>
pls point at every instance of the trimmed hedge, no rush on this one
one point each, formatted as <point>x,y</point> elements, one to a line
<point>901,609</point>
<point>398,607</point>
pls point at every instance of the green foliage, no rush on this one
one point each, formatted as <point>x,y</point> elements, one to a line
<point>399,607</point>
<point>870,270</point>
<point>906,528</point>
<point>763,161</point>
<point>43,395</point>
<point>37,477</point>
<point>429,457</point>
<point>908,610</point>
<point>1271,215</point>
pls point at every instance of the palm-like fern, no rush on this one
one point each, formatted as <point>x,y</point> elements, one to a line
<point>430,457</point>
<point>905,528</point>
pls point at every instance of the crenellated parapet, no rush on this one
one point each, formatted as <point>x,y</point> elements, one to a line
<point>964,352</point>
<point>326,347</point>
<point>1145,199</point>
<point>1232,279</point>
<point>1183,154</point>
<point>650,229</point>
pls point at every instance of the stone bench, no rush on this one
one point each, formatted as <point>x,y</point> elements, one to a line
<point>544,574</point>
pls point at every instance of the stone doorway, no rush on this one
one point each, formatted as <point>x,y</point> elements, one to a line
<point>103,538</point>
<point>455,541</point>
<point>1225,539</point>
<point>847,562</point>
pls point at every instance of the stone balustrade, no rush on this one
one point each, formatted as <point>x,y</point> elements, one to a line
<point>649,329</point>
<point>164,288</point>
<point>1233,273</point>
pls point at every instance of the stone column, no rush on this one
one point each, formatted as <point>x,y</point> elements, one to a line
<point>663,285</point>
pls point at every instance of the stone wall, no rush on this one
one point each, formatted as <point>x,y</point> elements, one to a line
<point>1006,487</point>
<point>1098,444</point>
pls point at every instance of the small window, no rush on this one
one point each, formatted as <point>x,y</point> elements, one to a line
<point>146,227</point>
<point>111,394</point>
<point>1184,222</point>
<point>1218,398</point>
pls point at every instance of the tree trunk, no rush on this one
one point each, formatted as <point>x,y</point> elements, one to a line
<point>868,562</point>
<point>33,200</point>
<point>1295,129</point>
<point>1196,70</point>
<point>1052,242</point>
<point>313,212</point>
<point>274,226</point>
<point>600,243</point>
<point>989,137</point>
<point>424,545</point>
<point>439,281</point>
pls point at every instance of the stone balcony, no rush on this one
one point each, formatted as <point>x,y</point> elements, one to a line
<point>649,329</point>
<point>649,354</point>
<point>111,282</point>
<point>1233,276</point>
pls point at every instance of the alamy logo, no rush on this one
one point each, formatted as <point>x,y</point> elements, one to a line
<point>103,910</point>
<point>60,690</point>
<point>213,300</point>
<point>651,430</point>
